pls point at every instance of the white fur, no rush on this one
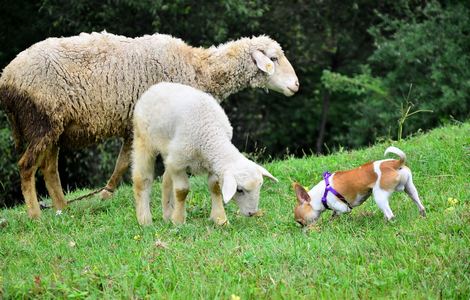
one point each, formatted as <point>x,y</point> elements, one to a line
<point>396,151</point>
<point>191,132</point>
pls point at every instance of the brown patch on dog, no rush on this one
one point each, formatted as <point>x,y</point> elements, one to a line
<point>390,177</point>
<point>355,182</point>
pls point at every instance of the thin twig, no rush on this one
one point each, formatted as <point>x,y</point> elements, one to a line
<point>45,206</point>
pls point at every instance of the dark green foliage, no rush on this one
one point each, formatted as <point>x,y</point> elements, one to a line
<point>429,49</point>
<point>9,178</point>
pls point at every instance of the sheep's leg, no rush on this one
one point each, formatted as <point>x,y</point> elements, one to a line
<point>217,212</point>
<point>180,191</point>
<point>28,165</point>
<point>50,171</point>
<point>122,164</point>
<point>142,177</point>
<point>167,196</point>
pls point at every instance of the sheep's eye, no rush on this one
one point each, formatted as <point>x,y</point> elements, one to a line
<point>240,190</point>
<point>274,59</point>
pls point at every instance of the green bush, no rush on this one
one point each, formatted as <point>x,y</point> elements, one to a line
<point>9,178</point>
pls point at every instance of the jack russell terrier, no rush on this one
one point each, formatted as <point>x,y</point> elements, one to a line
<point>343,190</point>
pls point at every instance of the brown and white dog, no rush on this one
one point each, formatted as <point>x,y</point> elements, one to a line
<point>343,190</point>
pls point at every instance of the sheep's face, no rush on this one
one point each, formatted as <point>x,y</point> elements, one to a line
<point>278,73</point>
<point>243,184</point>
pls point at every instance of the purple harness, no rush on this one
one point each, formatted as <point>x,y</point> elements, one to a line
<point>329,188</point>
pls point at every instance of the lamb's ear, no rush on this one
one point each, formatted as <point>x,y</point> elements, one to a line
<point>229,187</point>
<point>265,173</point>
<point>263,62</point>
<point>301,193</point>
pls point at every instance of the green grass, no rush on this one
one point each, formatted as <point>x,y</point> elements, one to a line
<point>95,249</point>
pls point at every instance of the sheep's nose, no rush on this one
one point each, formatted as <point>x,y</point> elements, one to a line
<point>295,87</point>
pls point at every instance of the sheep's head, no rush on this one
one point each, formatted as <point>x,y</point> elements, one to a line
<point>243,183</point>
<point>276,72</point>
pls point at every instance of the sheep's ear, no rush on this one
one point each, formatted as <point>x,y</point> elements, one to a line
<point>263,62</point>
<point>229,187</point>
<point>301,193</point>
<point>265,173</point>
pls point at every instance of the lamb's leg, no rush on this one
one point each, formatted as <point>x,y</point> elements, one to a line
<point>180,190</point>
<point>142,177</point>
<point>167,196</point>
<point>122,164</point>
<point>217,212</point>
<point>28,165</point>
<point>50,171</point>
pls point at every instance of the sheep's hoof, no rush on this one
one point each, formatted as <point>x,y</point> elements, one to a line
<point>422,213</point>
<point>106,194</point>
<point>34,213</point>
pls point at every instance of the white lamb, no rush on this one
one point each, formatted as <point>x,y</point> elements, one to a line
<point>191,132</point>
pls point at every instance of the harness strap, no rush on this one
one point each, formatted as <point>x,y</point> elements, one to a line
<point>329,188</point>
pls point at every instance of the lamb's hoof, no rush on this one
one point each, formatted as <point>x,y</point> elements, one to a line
<point>178,220</point>
<point>220,221</point>
<point>144,220</point>
<point>167,215</point>
<point>422,213</point>
<point>106,194</point>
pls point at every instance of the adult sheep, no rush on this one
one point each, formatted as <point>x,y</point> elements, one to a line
<point>79,90</point>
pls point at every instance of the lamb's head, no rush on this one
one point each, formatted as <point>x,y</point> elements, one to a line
<point>242,182</point>
<point>276,72</point>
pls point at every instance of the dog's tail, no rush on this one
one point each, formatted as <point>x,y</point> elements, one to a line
<point>398,152</point>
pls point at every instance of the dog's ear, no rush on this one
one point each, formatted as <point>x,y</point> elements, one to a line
<point>301,193</point>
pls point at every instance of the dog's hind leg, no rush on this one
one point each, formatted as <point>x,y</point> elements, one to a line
<point>411,190</point>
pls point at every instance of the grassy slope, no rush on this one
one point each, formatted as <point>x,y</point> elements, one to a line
<point>97,249</point>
